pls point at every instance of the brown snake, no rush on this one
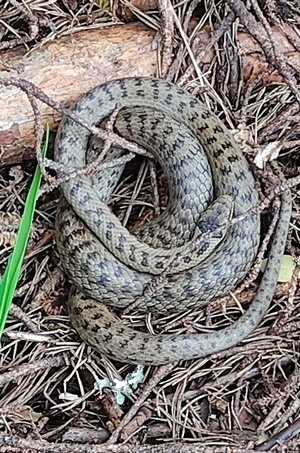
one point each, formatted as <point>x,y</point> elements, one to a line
<point>161,270</point>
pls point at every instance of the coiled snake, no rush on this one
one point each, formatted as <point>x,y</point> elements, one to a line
<point>161,269</point>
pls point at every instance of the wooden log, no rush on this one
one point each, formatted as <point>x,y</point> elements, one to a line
<point>70,66</point>
<point>65,69</point>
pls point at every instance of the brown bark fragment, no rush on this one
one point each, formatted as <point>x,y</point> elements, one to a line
<point>254,60</point>
<point>123,10</point>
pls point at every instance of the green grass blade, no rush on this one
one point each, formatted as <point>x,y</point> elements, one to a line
<point>12,272</point>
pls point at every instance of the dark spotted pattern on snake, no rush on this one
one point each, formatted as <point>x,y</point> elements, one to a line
<point>176,262</point>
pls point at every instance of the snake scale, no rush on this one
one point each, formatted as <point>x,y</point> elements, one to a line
<point>176,262</point>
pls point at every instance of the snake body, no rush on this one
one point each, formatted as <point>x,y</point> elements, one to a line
<point>161,269</point>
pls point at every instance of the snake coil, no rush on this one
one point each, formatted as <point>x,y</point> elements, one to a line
<point>112,267</point>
